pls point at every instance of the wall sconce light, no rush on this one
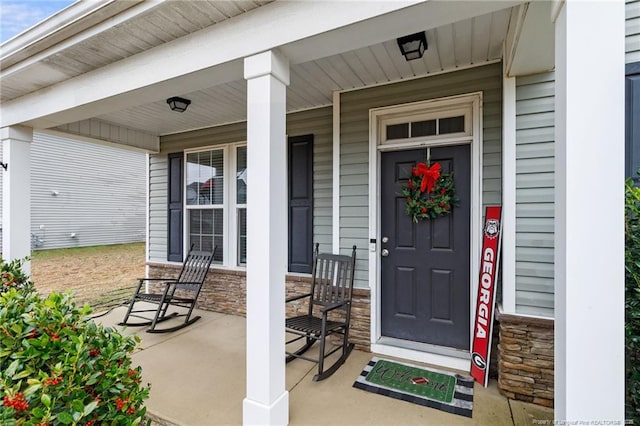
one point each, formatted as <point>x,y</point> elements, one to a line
<point>178,104</point>
<point>413,46</point>
<point>4,165</point>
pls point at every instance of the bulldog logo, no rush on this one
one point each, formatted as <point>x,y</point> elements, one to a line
<point>492,228</point>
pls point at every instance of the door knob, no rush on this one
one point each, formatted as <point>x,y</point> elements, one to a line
<point>385,253</point>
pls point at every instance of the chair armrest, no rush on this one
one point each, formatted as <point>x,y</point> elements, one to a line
<point>298,297</point>
<point>156,279</point>
<point>332,306</point>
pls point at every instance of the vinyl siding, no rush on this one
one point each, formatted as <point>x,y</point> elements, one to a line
<point>354,148</point>
<point>101,193</point>
<point>316,121</point>
<point>319,123</point>
<point>535,165</point>
<point>632,31</point>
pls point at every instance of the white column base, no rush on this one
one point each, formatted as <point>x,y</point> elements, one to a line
<point>256,413</point>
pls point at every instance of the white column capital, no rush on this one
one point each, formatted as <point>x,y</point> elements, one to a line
<point>19,133</point>
<point>272,63</point>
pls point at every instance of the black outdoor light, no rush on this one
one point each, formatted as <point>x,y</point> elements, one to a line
<point>413,46</point>
<point>178,104</point>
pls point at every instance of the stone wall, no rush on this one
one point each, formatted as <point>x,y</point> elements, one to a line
<point>525,359</point>
<point>225,292</point>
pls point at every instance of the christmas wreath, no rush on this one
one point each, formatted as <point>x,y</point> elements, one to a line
<point>429,192</point>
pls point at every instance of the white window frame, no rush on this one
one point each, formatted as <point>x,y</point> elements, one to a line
<point>229,206</point>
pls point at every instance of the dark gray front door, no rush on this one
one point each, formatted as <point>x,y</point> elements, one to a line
<point>425,285</point>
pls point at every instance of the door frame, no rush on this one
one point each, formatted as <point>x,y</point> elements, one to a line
<point>445,357</point>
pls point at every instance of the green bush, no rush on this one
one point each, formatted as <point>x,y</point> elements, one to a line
<point>12,276</point>
<point>632,300</point>
<point>57,367</point>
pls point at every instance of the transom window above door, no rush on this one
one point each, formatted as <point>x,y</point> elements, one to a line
<point>437,126</point>
<point>426,124</point>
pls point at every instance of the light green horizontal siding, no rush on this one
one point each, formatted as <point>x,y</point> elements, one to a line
<point>632,31</point>
<point>317,122</point>
<point>535,165</point>
<point>354,144</point>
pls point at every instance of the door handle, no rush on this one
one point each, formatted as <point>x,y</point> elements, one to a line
<point>384,253</point>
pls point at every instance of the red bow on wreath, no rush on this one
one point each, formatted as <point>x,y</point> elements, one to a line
<point>429,175</point>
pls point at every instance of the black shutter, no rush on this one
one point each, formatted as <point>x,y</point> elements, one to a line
<point>175,208</point>
<point>300,203</point>
<point>632,117</point>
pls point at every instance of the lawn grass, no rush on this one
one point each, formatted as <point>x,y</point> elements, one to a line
<point>95,274</point>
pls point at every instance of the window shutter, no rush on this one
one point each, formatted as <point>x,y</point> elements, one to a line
<point>632,112</point>
<point>175,208</point>
<point>300,203</point>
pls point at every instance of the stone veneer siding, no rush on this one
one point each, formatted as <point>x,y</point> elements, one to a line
<point>525,359</point>
<point>224,291</point>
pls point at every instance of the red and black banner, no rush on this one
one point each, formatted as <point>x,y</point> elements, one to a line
<point>489,263</point>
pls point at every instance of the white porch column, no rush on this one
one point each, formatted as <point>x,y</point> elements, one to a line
<point>267,400</point>
<point>16,193</point>
<point>589,225</point>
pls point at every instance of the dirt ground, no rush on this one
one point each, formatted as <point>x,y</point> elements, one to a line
<point>93,273</point>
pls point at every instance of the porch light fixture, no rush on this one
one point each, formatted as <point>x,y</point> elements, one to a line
<point>178,104</point>
<point>413,46</point>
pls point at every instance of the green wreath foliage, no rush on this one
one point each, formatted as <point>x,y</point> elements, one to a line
<point>429,205</point>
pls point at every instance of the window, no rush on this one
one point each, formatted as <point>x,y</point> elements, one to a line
<point>434,127</point>
<point>632,131</point>
<point>216,202</point>
<point>207,203</point>
<point>241,202</point>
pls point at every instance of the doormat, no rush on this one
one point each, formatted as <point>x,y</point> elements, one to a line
<point>449,392</point>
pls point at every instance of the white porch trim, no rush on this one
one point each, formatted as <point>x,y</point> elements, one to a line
<point>16,193</point>
<point>380,344</point>
<point>267,400</point>
<point>509,194</point>
<point>589,256</point>
<point>335,219</point>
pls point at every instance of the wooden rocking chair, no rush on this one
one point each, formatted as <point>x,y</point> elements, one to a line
<point>188,285</point>
<point>331,288</point>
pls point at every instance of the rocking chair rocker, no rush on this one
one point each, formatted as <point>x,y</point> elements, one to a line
<point>331,288</point>
<point>188,285</point>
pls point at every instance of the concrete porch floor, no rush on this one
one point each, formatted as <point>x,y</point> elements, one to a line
<point>197,377</point>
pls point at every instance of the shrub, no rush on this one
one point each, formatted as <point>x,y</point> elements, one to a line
<point>57,367</point>
<point>632,300</point>
<point>12,276</point>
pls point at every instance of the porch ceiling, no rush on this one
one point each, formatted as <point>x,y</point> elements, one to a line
<point>116,60</point>
<point>119,29</point>
<point>461,44</point>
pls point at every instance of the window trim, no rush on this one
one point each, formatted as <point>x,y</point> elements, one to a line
<point>229,221</point>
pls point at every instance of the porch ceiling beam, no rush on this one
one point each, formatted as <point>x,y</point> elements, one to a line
<point>310,30</point>
<point>101,132</point>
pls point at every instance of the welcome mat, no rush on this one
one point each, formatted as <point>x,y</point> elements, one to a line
<point>444,391</point>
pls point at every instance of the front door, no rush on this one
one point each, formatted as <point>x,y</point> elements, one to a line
<point>425,281</point>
